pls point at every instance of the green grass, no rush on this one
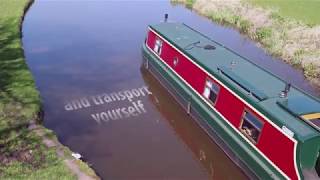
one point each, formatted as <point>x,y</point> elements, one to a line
<point>19,100</point>
<point>22,153</point>
<point>189,3</point>
<point>24,156</point>
<point>310,70</point>
<point>230,19</point>
<point>306,11</point>
<point>84,167</point>
<point>263,33</point>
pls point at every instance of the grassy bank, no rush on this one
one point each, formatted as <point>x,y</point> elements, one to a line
<point>288,30</point>
<point>23,155</point>
<point>306,11</point>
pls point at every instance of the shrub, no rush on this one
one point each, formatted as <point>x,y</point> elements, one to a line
<point>263,33</point>
<point>244,25</point>
<point>189,3</point>
<point>296,60</point>
<point>310,70</point>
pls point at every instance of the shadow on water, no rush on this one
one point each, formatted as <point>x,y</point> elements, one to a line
<point>203,148</point>
<point>80,49</point>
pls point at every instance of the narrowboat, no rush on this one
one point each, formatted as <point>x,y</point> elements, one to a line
<point>270,128</point>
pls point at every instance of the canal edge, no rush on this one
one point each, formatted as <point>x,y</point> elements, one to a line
<point>81,169</point>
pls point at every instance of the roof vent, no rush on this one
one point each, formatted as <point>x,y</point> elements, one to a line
<point>232,64</point>
<point>209,47</point>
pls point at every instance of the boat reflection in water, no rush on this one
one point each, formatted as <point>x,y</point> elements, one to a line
<point>211,156</point>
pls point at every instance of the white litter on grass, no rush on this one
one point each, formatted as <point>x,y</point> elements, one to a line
<point>76,155</point>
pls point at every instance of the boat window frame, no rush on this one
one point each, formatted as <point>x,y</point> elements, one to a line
<point>243,119</point>
<point>158,46</point>
<point>216,91</point>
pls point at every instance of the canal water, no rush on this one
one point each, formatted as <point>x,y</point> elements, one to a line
<point>86,56</point>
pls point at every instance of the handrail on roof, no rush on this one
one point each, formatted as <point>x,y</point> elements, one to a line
<point>245,85</point>
<point>255,64</point>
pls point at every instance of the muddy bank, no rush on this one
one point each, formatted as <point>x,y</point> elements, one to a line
<point>295,43</point>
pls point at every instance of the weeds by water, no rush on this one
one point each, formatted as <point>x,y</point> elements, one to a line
<point>310,70</point>
<point>188,3</point>
<point>295,41</point>
<point>263,33</point>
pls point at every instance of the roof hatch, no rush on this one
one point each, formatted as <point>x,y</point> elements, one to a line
<point>300,105</point>
<point>303,107</point>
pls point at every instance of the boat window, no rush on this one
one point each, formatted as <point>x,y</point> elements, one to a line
<point>211,91</point>
<point>251,126</point>
<point>158,46</point>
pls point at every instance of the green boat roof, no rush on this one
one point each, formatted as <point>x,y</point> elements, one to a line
<point>248,78</point>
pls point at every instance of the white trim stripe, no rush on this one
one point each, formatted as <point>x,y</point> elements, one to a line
<point>247,104</point>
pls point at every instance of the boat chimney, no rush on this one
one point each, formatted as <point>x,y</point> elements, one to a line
<point>284,93</point>
<point>166,17</point>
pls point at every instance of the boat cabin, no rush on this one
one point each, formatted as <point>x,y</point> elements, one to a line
<point>272,125</point>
